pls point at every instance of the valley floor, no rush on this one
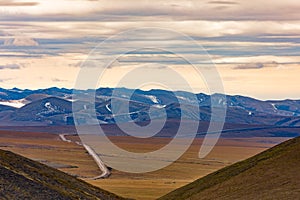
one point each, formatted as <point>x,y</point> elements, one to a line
<point>73,159</point>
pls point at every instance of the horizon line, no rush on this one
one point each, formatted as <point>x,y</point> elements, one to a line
<point>61,88</point>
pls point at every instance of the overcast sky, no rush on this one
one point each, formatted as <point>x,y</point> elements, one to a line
<point>255,45</point>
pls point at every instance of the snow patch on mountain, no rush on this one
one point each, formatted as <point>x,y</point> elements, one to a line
<point>154,99</point>
<point>274,106</point>
<point>13,103</point>
<point>107,107</point>
<point>50,109</point>
<point>159,106</point>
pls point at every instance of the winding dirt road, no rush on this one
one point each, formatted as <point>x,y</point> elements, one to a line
<point>105,171</point>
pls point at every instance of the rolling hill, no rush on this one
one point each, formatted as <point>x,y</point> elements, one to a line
<point>273,174</point>
<point>22,178</point>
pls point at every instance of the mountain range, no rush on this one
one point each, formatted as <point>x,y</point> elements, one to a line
<point>55,106</point>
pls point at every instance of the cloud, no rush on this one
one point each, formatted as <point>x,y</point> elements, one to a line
<point>250,66</point>
<point>160,10</point>
<point>257,65</point>
<point>17,3</point>
<point>5,79</point>
<point>20,41</point>
<point>158,59</point>
<point>58,80</point>
<point>195,10</point>
<point>11,66</point>
<point>223,2</point>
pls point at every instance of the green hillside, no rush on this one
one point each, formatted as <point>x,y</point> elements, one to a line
<point>272,174</point>
<point>22,178</point>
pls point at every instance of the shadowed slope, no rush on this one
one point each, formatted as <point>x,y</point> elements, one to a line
<point>273,174</point>
<point>22,178</point>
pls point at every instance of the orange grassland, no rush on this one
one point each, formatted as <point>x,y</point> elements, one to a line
<point>73,159</point>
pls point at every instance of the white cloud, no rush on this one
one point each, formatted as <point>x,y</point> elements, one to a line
<point>20,41</point>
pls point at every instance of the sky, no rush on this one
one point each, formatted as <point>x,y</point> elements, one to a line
<point>254,45</point>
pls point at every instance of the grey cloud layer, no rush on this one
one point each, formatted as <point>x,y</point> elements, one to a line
<point>10,66</point>
<point>223,2</point>
<point>160,10</point>
<point>50,34</point>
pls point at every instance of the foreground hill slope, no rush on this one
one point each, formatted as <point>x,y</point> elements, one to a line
<point>22,178</point>
<point>273,174</point>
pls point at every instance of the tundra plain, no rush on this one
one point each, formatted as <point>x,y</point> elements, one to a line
<point>73,159</point>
